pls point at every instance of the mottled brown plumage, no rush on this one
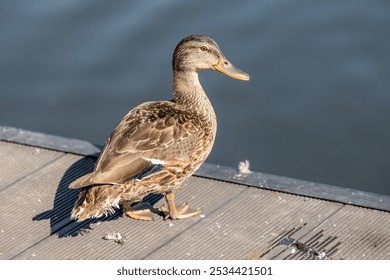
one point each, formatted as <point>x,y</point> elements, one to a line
<point>158,145</point>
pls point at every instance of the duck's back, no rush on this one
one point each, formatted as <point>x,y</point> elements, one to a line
<point>154,133</point>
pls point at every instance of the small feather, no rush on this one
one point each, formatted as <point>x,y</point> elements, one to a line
<point>243,167</point>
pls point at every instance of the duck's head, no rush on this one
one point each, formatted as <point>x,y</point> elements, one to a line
<point>198,52</point>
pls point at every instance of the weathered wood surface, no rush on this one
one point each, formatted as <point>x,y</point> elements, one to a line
<point>245,217</point>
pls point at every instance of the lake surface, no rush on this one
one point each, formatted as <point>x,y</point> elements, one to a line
<point>317,107</point>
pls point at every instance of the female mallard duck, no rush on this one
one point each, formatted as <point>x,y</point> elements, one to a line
<point>158,145</point>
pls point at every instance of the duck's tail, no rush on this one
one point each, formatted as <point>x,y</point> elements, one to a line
<point>90,203</point>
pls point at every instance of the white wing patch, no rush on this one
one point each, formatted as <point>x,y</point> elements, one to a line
<point>156,161</point>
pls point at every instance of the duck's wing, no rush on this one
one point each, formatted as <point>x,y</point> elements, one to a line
<point>152,135</point>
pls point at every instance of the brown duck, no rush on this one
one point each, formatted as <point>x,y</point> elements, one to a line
<point>159,144</point>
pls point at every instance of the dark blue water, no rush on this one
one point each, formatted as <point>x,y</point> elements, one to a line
<point>317,107</point>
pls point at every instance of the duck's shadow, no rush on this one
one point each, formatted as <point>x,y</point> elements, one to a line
<point>65,198</point>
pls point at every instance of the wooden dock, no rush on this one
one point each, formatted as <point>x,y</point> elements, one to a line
<point>253,216</point>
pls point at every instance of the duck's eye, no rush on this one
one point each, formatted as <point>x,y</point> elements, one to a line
<point>203,48</point>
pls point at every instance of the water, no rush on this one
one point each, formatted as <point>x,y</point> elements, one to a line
<point>317,107</point>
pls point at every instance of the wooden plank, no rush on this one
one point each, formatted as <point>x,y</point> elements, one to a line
<point>142,238</point>
<point>38,205</point>
<point>352,233</point>
<point>246,226</point>
<point>48,141</point>
<point>17,161</point>
<point>295,186</point>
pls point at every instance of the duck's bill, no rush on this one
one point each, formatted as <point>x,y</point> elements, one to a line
<point>224,66</point>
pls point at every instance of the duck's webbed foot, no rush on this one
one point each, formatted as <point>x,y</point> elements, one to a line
<point>141,211</point>
<point>176,213</point>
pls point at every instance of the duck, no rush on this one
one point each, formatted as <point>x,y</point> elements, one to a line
<point>158,144</point>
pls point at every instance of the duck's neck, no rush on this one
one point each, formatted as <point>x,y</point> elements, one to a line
<point>189,93</point>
